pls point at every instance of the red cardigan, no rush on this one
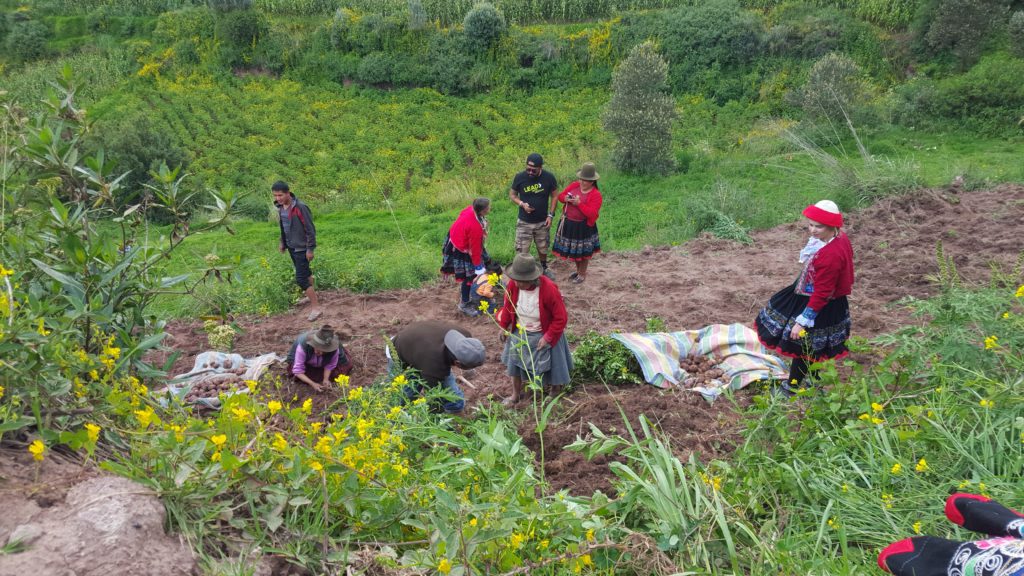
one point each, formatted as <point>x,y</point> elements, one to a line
<point>591,203</point>
<point>467,235</point>
<point>553,316</point>
<point>831,272</point>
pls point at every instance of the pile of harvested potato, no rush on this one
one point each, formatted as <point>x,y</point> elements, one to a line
<point>213,385</point>
<point>701,370</point>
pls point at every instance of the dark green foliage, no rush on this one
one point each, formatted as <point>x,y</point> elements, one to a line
<point>484,26</point>
<point>229,5</point>
<point>641,112</point>
<point>26,41</point>
<point>989,98</point>
<point>833,89</point>
<point>1015,30</point>
<point>959,29</point>
<point>185,24</point>
<point>138,146</point>
<point>450,62</point>
<point>604,359</point>
<point>69,27</point>
<point>712,34</point>
<point>240,32</point>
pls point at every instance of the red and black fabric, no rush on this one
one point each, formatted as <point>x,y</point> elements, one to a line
<point>932,556</point>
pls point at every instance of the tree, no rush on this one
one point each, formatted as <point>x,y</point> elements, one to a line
<point>833,89</point>
<point>484,26</point>
<point>641,112</point>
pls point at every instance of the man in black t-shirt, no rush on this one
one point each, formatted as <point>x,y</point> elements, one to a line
<point>534,191</point>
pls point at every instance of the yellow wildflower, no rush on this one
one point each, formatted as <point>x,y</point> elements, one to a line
<point>215,457</point>
<point>1006,315</point>
<point>342,380</point>
<point>590,535</point>
<point>93,374</point>
<point>5,271</point>
<point>516,540</point>
<point>587,561</point>
<point>41,328</point>
<point>37,448</point>
<point>845,487</point>
<point>833,523</point>
<point>1,391</point>
<point>444,566</point>
<point>917,527</point>
<point>1020,291</point>
<point>922,465</point>
<point>400,380</point>
<point>274,406</point>
<point>251,385</point>
<point>801,334</point>
<point>493,279</point>
<point>316,465</point>
<point>279,443</point>
<point>179,432</point>
<point>888,500</point>
<point>877,421</point>
<point>986,403</point>
<point>991,342</point>
<point>145,417</point>
<point>92,431</point>
<point>219,440</point>
<point>896,468</point>
<point>473,522</point>
<point>484,305</point>
<point>241,414</point>
<point>307,406</point>
<point>876,407</point>
<point>355,393</point>
<point>419,401</point>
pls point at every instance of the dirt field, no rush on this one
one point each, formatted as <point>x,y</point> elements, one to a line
<point>701,282</point>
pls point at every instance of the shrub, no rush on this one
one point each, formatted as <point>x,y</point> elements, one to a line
<point>375,68</point>
<point>1016,33</point>
<point>240,31</point>
<point>641,112</point>
<point>138,146</point>
<point>185,24</point>
<point>450,62</point>
<point>711,34</point>
<point>417,15</point>
<point>959,28</point>
<point>833,89</point>
<point>26,41</point>
<point>484,26</point>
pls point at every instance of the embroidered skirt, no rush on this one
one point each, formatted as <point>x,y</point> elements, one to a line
<point>518,360</point>
<point>826,339</point>
<point>455,262</point>
<point>576,240</point>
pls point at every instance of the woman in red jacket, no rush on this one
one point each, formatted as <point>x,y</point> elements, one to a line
<point>533,322</point>
<point>463,254</point>
<point>577,238</point>
<point>809,321</point>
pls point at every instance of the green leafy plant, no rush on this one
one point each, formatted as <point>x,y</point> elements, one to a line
<point>605,359</point>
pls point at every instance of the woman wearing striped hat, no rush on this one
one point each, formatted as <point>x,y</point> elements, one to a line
<point>809,321</point>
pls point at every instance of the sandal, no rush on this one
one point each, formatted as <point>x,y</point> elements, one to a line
<point>574,276</point>
<point>579,279</point>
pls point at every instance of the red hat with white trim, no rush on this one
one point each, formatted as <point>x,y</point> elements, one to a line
<point>825,212</point>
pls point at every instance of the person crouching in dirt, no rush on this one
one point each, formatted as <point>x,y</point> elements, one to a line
<point>809,321</point>
<point>576,238</point>
<point>533,323</point>
<point>463,254</point>
<point>317,357</point>
<point>431,348</point>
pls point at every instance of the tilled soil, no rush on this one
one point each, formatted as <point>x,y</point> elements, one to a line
<point>704,281</point>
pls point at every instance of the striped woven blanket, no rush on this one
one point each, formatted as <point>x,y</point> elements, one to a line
<point>743,358</point>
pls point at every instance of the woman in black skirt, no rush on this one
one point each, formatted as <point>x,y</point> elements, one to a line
<point>577,238</point>
<point>809,321</point>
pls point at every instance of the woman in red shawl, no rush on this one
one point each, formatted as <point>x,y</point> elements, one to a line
<point>577,238</point>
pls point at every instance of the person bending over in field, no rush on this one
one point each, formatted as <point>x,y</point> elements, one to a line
<point>317,357</point>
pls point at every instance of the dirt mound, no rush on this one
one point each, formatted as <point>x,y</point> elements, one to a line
<point>701,282</point>
<point>78,522</point>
